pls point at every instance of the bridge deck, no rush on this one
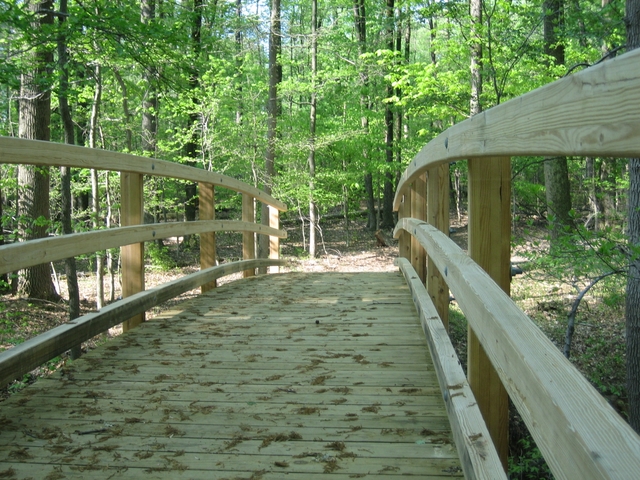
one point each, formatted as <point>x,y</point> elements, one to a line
<point>296,375</point>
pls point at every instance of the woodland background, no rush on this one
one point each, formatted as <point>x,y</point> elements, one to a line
<point>321,102</point>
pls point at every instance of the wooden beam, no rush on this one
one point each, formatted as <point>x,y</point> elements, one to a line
<point>419,212</point>
<point>478,456</point>
<point>34,152</point>
<point>23,358</point>
<point>588,113</point>
<point>34,252</point>
<point>274,241</point>
<point>132,256</point>
<point>577,431</point>
<point>248,238</point>
<point>490,247</point>
<point>207,211</point>
<point>438,216</point>
<point>404,242</point>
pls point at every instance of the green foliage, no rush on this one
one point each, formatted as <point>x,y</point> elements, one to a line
<point>528,463</point>
<point>160,256</point>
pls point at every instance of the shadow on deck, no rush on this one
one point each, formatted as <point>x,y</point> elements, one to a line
<point>296,375</point>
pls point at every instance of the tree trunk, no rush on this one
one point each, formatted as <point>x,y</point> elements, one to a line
<point>556,171</point>
<point>360,20</point>
<point>70,267</point>
<point>475,104</point>
<point>633,282</point>
<point>33,183</point>
<point>95,183</point>
<point>312,130</point>
<point>150,98</point>
<point>389,190</point>
<point>274,109</point>
<point>193,145</point>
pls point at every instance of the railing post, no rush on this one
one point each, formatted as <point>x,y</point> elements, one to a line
<point>274,242</point>
<point>438,216</point>
<point>490,247</point>
<point>207,211</point>
<point>419,212</point>
<point>248,238</point>
<point>132,256</point>
<point>404,242</point>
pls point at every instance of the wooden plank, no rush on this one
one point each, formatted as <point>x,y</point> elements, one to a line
<point>33,152</point>
<point>23,358</point>
<point>578,432</point>
<point>207,211</point>
<point>274,240</point>
<point>478,455</point>
<point>490,247</point>
<point>589,113</point>
<point>438,216</point>
<point>404,241</point>
<point>131,255</point>
<point>248,238</point>
<point>51,249</point>
<point>419,212</point>
<point>165,399</point>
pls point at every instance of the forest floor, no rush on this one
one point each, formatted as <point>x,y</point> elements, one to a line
<point>598,344</point>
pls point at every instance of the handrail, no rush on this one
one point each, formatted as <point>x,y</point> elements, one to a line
<point>35,152</point>
<point>478,456</point>
<point>34,352</point>
<point>580,435</point>
<point>20,255</point>
<point>590,113</point>
<point>130,237</point>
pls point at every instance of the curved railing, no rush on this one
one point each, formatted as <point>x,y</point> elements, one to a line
<point>130,236</point>
<point>590,113</point>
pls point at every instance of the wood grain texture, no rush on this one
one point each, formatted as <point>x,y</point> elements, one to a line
<point>33,152</point>
<point>35,252</point>
<point>490,247</point>
<point>131,254</point>
<point>241,382</point>
<point>578,432</point>
<point>590,113</point>
<point>438,216</point>
<point>419,210</point>
<point>207,211</point>
<point>477,452</point>
<point>23,358</point>
<point>248,238</point>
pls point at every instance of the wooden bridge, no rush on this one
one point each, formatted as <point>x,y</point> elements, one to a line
<point>347,375</point>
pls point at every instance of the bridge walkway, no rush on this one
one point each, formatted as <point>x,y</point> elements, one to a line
<point>296,375</point>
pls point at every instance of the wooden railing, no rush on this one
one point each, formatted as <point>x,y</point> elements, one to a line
<point>592,113</point>
<point>130,236</point>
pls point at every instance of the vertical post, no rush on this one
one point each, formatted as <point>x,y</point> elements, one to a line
<point>489,247</point>
<point>404,242</point>
<point>438,216</point>
<point>207,211</point>
<point>274,242</point>
<point>419,212</point>
<point>132,256</point>
<point>248,238</point>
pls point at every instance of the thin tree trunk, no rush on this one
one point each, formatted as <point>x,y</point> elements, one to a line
<point>387,209</point>
<point>360,20</point>
<point>95,183</point>
<point>71,270</point>
<point>33,183</point>
<point>125,110</point>
<point>633,282</point>
<point>312,129</point>
<point>556,171</point>
<point>274,109</point>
